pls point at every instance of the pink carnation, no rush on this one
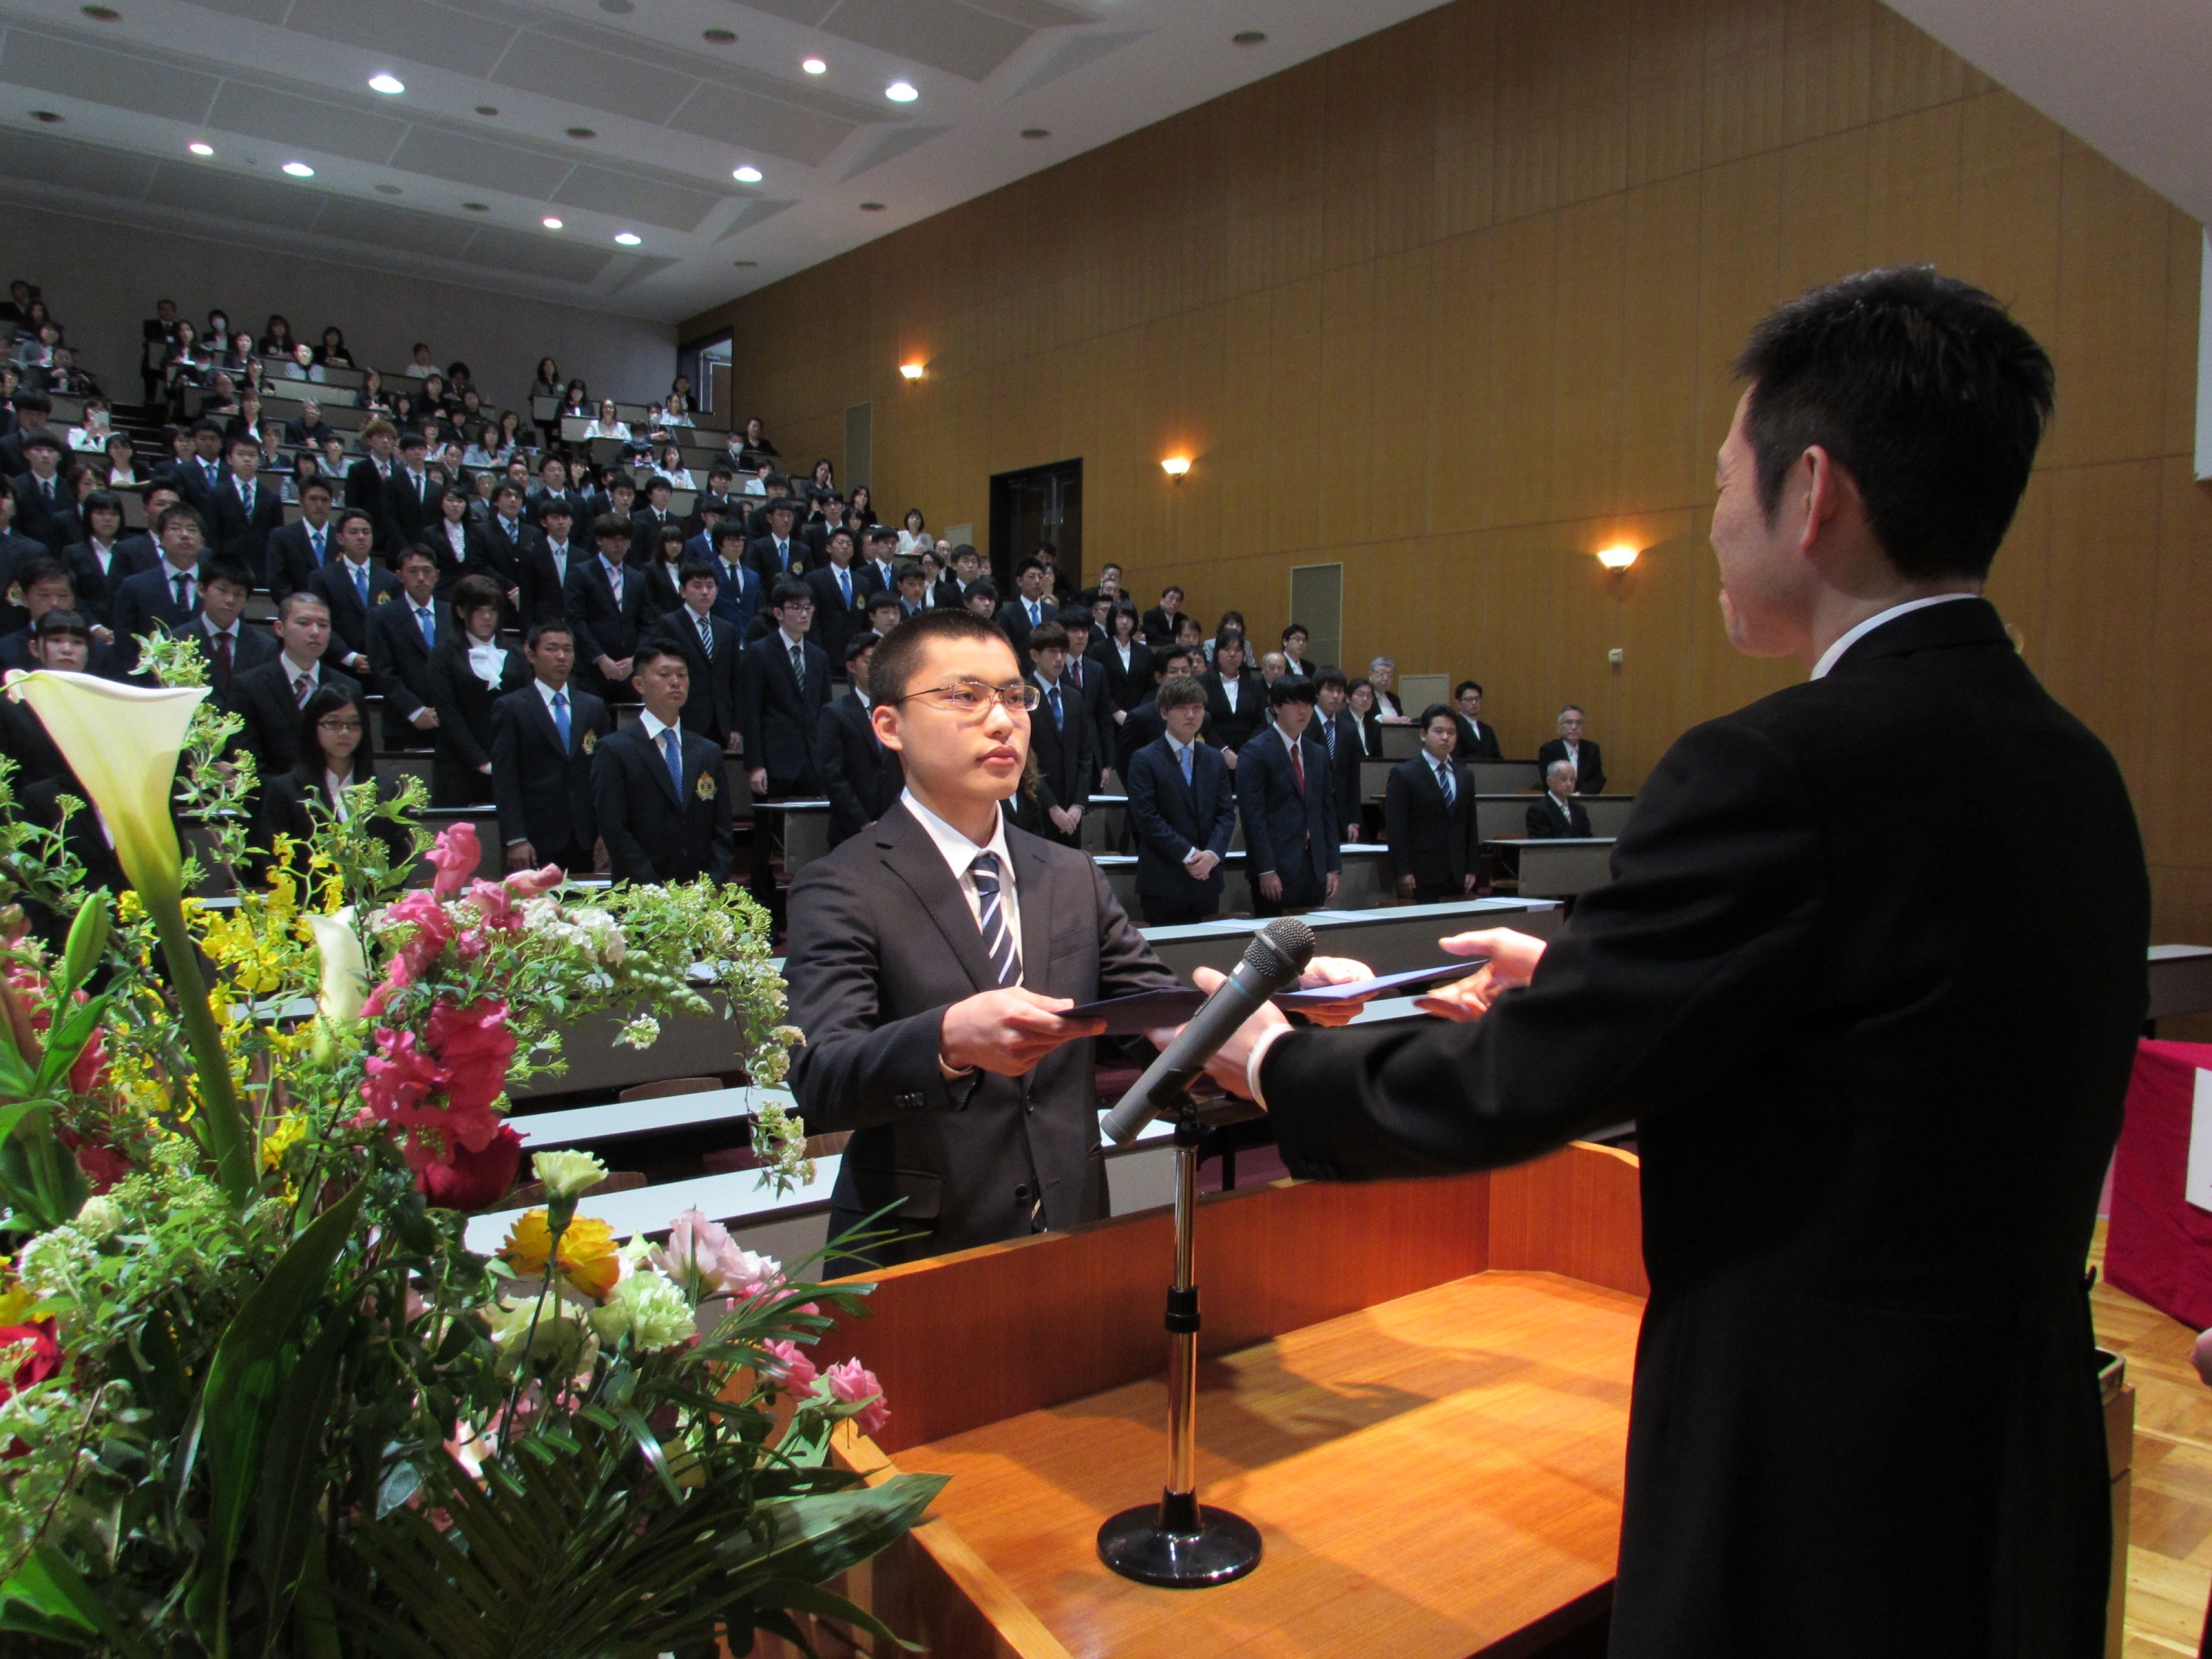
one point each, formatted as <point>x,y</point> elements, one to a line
<point>456,857</point>
<point>529,884</point>
<point>849,1381</point>
<point>787,1367</point>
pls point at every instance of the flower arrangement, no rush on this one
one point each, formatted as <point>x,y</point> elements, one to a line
<point>256,1393</point>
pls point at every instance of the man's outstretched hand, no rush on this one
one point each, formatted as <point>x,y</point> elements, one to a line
<point>1513,959</point>
<point>1008,1031</point>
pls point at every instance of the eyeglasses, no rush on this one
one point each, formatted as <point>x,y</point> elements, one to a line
<point>974,697</point>
<point>337,725</point>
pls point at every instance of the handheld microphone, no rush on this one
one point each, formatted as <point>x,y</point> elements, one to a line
<point>1272,962</point>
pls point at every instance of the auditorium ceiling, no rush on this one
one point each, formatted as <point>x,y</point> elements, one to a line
<point>652,156</point>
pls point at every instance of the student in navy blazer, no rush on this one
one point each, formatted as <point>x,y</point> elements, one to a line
<point>605,608</point>
<point>1182,830</point>
<point>739,599</point>
<point>1291,829</point>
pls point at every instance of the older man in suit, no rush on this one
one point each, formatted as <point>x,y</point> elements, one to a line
<point>1572,746</point>
<point>660,791</point>
<point>1429,817</point>
<point>543,740</point>
<point>1558,816</point>
<point>307,429</point>
<point>1875,1093</point>
<point>1288,801</point>
<point>860,776</point>
<point>1182,807</point>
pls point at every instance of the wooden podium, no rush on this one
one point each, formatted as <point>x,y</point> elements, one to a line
<point>1417,1391</point>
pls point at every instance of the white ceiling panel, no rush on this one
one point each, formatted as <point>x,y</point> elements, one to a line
<point>480,162</point>
<point>406,31</point>
<point>888,144</point>
<point>228,196</point>
<point>1035,14</point>
<point>748,121</point>
<point>544,256</point>
<point>622,86</point>
<point>754,213</point>
<point>73,68</point>
<point>78,167</point>
<point>376,226</point>
<point>304,123</point>
<point>942,34</point>
<point>628,195</point>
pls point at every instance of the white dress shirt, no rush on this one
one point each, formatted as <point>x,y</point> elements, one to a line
<point>1834,653</point>
<point>959,852</point>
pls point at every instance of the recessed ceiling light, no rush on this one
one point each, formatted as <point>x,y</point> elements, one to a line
<point>101,14</point>
<point>390,85</point>
<point>721,37</point>
<point>582,132</point>
<point>747,175</point>
<point>746,264</point>
<point>47,116</point>
<point>619,7</point>
<point>487,109</point>
<point>814,66</point>
<point>871,207</point>
<point>900,92</point>
<point>200,148</point>
<point>298,169</point>
<point>477,207</point>
<point>1248,37</point>
<point>389,190</point>
<point>1035,132</point>
<point>551,222</point>
<point>628,238</point>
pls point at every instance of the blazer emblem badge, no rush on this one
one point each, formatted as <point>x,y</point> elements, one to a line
<point>706,786</point>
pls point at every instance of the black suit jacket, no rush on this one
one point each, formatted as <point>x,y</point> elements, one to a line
<point>1143,727</point>
<point>365,490</point>
<point>1062,749</point>
<point>193,483</point>
<point>1343,729</point>
<point>298,434</point>
<point>711,710</point>
<point>1231,729</point>
<point>253,646</point>
<point>605,626</point>
<point>243,535</point>
<point>1476,741</point>
<point>777,716</point>
<point>1590,765</point>
<point>1127,688</point>
<point>1546,823</point>
<point>1874,1124</point>
<point>291,555</point>
<point>464,703</point>
<point>1088,674</point>
<point>1283,829</point>
<point>860,776</point>
<point>543,791</point>
<point>53,525</point>
<point>1436,845</point>
<point>834,621</point>
<point>882,939</point>
<point>283,810</point>
<point>96,588</point>
<point>652,834</point>
<point>1172,819</point>
<point>333,584</point>
<point>760,553</point>
<point>1159,627</point>
<point>144,604</point>
<point>262,697</point>
<point>400,660</point>
<point>504,558</point>
<point>1014,620</point>
<point>546,584</point>
<point>410,509</point>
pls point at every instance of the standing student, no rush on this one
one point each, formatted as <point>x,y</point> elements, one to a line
<point>295,551</point>
<point>543,739</point>
<point>468,673</point>
<point>1059,739</point>
<point>710,649</point>
<point>1284,793</point>
<point>1338,730</point>
<point>664,811</point>
<point>1145,722</point>
<point>1182,807</point>
<point>350,587</point>
<point>861,777</point>
<point>1236,700</point>
<point>783,683</point>
<point>246,508</point>
<point>230,646</point>
<point>335,756</point>
<point>401,637</point>
<point>162,599</point>
<point>738,590</point>
<point>1032,605</point>
<point>1429,817</point>
<point>605,603</point>
<point>546,565</point>
<point>840,596</point>
<point>269,697</point>
<point>99,563</point>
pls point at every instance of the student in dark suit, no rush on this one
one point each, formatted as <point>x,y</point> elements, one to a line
<point>335,754</point>
<point>783,685</point>
<point>1061,739</point>
<point>546,565</point>
<point>504,544</point>
<point>1163,622</point>
<point>1127,660</point>
<point>368,481</point>
<point>402,637</point>
<point>1031,606</point>
<point>351,586</point>
<point>605,607</point>
<point>1284,795</point>
<point>99,563</point>
<point>1875,1094</point>
<point>1236,700</point>
<point>778,552</point>
<point>1182,807</point>
<point>230,644</point>
<point>541,773</point>
<point>45,511</point>
<point>1338,732</point>
<point>411,493</point>
<point>1476,741</point>
<point>1145,723</point>
<point>1558,815</point>
<point>662,808</point>
<point>841,599</point>
<point>650,519</point>
<point>297,551</point>
<point>951,590</point>
<point>878,563</point>
<point>662,568</point>
<point>468,673</point>
<point>164,599</point>
<point>1087,675</point>
<point>860,776</point>
<point>197,475</point>
<point>60,639</point>
<point>1429,817</point>
<point>1572,745</point>
<point>738,590</point>
<point>268,698</point>
<point>711,652</point>
<point>44,583</point>
<point>246,508</point>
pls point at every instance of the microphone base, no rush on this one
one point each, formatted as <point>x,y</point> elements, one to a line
<point>1177,1544</point>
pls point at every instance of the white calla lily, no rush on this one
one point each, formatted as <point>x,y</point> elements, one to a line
<point>344,985</point>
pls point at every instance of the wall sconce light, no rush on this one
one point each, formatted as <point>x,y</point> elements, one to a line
<point>1175,466</point>
<point>1617,558</point>
<point>912,371</point>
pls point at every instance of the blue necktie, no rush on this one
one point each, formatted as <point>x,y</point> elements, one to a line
<point>360,584</point>
<point>997,938</point>
<point>429,625</point>
<point>845,585</point>
<point>315,538</point>
<point>1188,752</point>
<point>1444,782</point>
<point>1328,732</point>
<point>674,751</point>
<point>560,718</point>
<point>1058,720</point>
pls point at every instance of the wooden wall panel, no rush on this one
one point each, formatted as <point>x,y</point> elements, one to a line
<point>1455,304</point>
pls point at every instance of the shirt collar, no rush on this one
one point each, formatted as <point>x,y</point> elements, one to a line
<point>1834,653</point>
<point>314,671</point>
<point>954,847</point>
<point>654,726</point>
<point>1176,745</point>
<point>547,692</point>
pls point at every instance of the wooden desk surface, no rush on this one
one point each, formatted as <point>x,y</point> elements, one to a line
<point>1493,1410</point>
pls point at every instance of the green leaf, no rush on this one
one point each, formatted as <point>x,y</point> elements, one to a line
<point>49,1589</point>
<point>88,939</point>
<point>16,1073</point>
<point>66,1042</point>
<point>285,1527</point>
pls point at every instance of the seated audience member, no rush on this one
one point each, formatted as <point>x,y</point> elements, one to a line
<point>98,564</point>
<point>1272,666</point>
<point>671,471</point>
<point>164,599</point>
<point>543,739</point>
<point>1429,817</point>
<point>308,427</point>
<point>45,512</point>
<point>44,584</point>
<point>860,776</point>
<point>1382,676</point>
<point>1236,700</point>
<point>351,586</point>
<point>468,672</point>
<point>1146,723</point>
<point>711,650</point>
<point>335,758</point>
<point>840,597</point>
<point>912,586</point>
<point>1182,810</point>
<point>1033,606</point>
<point>546,566</point>
<point>1572,745</point>
<point>301,365</point>
<point>738,589</point>
<point>756,440</point>
<point>664,811</point>
<point>1061,734</point>
<point>229,644</point>
<point>401,637</point>
<point>1359,700</point>
<point>332,353</point>
<point>122,463</point>
<point>777,553</point>
<point>606,423</point>
<point>298,550</point>
<point>1476,741</point>
<point>1558,816</point>
<point>246,508</point>
<point>1290,831</point>
<point>268,698</point>
<point>1294,652</point>
<point>981,600</point>
<point>605,605</point>
<point>783,686</point>
<point>93,433</point>
<point>1338,730</point>
<point>965,570</point>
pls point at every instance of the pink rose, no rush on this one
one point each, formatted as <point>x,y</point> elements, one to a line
<point>495,902</point>
<point>851,1381</point>
<point>456,857</point>
<point>694,1244</point>
<point>788,1368</point>
<point>529,884</point>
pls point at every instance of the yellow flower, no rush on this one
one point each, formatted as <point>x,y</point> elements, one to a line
<point>590,1260</point>
<point>282,1138</point>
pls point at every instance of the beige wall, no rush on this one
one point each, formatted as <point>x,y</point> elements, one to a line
<point>1455,305</point>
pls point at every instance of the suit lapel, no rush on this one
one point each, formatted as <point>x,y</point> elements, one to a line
<point>658,761</point>
<point>912,856</point>
<point>1033,889</point>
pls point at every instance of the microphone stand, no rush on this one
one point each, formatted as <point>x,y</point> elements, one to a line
<point>1175,1543</point>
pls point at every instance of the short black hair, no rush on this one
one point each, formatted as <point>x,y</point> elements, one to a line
<point>203,424</point>
<point>789,591</point>
<point>1295,628</point>
<point>1032,562</point>
<point>879,533</point>
<point>1329,677</point>
<point>901,653</point>
<point>981,588</point>
<point>1466,686</point>
<point>1436,711</point>
<point>345,517</point>
<point>552,625</point>
<point>40,568</point>
<point>1290,688</point>
<point>46,439</point>
<point>226,567</point>
<point>730,531</point>
<point>32,398</point>
<point>62,620</point>
<point>1167,654</point>
<point>650,651</point>
<point>866,640</point>
<point>609,527</point>
<point>102,501</point>
<point>1048,635</point>
<point>1920,386</point>
<point>416,551</point>
<point>883,599</point>
<point>695,570</point>
<point>966,549</point>
<point>906,567</point>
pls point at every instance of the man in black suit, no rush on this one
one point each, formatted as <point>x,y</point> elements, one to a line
<point>1337,729</point>
<point>1476,741</point>
<point>140,548</point>
<point>1429,817</point>
<point>777,554</point>
<point>1087,674</point>
<point>230,644</point>
<point>307,429</point>
<point>1558,815</point>
<point>649,520</point>
<point>1284,793</point>
<point>1146,723</point>
<point>711,652</point>
<point>1182,807</point>
<point>1031,607</point>
<point>860,776</point>
<point>879,564</point>
<point>967,569</point>
<point>1162,624</point>
<point>1061,733</point>
<point>411,493</point>
<point>98,564</point>
<point>1236,700</point>
<point>542,739</point>
<point>546,565</point>
<point>553,486</point>
<point>14,551</point>
<point>738,589</point>
<point>297,551</point>
<point>605,607</point>
<point>504,543</point>
<point>783,685</point>
<point>44,511</point>
<point>197,475</point>
<point>369,482</point>
<point>164,599</point>
<point>660,791</point>
<point>33,411</point>
<point>402,633</point>
<point>247,509</point>
<point>1294,652</point>
<point>44,583</point>
<point>351,586</point>
<point>840,596</point>
<point>1572,745</point>
<point>1875,1093</point>
<point>268,698</point>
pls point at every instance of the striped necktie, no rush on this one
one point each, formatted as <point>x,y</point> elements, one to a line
<point>997,938</point>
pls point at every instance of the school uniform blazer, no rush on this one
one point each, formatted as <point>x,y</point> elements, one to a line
<point>1228,728</point>
<point>1435,844</point>
<point>401,663</point>
<point>333,584</point>
<point>262,697</point>
<point>737,595</point>
<point>1283,827</point>
<point>834,621</point>
<point>96,588</point>
<point>1875,1094</point>
<point>777,716</point>
<point>245,535</point>
<point>546,584</point>
<point>711,709</point>
<point>860,776</point>
<point>146,605</point>
<point>464,703</point>
<point>882,939</point>
<point>1126,688</point>
<point>605,626</point>
<point>543,791</point>
<point>1062,748</point>
<point>1173,819</point>
<point>651,832</point>
<point>290,555</point>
